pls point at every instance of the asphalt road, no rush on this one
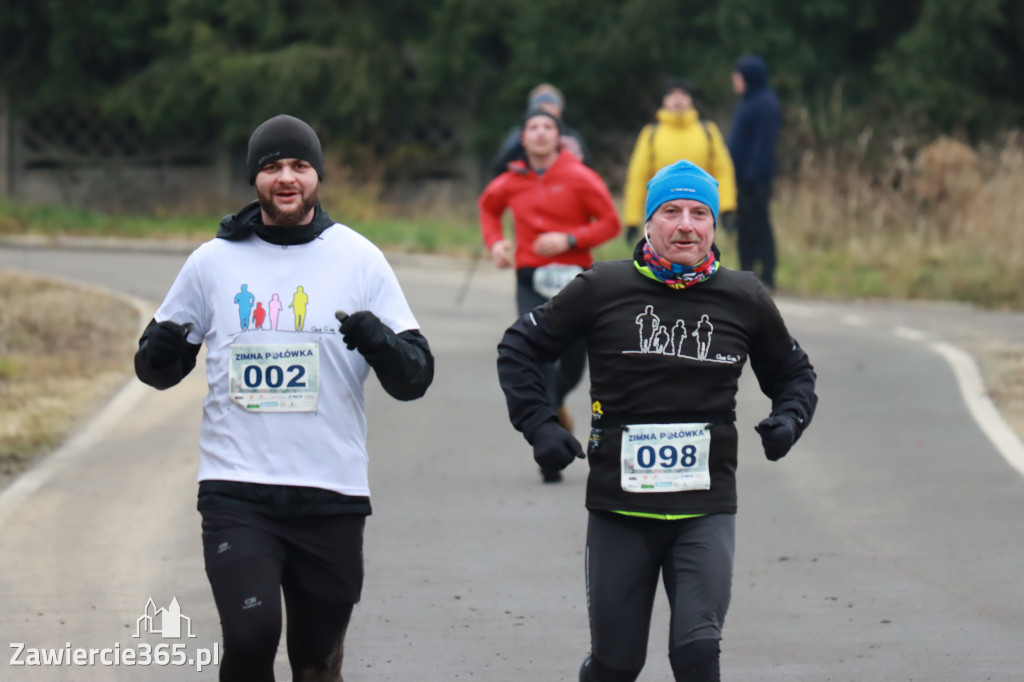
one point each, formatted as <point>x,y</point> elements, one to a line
<point>887,546</point>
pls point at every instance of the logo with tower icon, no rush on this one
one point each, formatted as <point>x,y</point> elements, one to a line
<point>169,623</point>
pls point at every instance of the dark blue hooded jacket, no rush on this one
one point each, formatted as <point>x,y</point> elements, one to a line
<point>755,124</point>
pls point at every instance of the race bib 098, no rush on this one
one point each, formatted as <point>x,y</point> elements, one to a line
<point>665,458</point>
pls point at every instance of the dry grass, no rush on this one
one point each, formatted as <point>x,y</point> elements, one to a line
<point>942,223</point>
<point>62,350</point>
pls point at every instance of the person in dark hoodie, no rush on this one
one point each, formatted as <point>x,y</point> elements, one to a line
<point>753,139</point>
<point>283,490</point>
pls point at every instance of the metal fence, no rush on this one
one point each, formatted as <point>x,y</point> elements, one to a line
<point>76,159</point>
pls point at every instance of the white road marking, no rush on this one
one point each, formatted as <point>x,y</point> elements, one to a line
<point>980,405</point>
<point>910,334</point>
<point>31,480</point>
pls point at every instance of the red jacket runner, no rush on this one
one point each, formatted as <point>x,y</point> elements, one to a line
<point>568,197</point>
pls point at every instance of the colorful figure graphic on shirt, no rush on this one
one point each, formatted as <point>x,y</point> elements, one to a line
<point>274,309</point>
<point>244,299</point>
<point>259,315</point>
<point>649,323</point>
<point>703,334</point>
<point>298,304</point>
<point>675,346</point>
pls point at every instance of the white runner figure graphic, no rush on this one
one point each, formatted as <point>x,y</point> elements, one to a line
<point>703,334</point>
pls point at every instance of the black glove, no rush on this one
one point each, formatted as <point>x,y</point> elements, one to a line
<point>554,447</point>
<point>363,331</point>
<point>166,343</point>
<point>778,433</point>
<point>632,232</point>
<point>728,221</point>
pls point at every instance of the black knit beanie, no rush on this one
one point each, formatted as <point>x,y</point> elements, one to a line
<point>283,137</point>
<point>543,112</point>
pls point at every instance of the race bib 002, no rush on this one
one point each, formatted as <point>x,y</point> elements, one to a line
<point>665,458</point>
<point>275,378</point>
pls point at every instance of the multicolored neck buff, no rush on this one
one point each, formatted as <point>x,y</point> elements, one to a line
<point>674,275</point>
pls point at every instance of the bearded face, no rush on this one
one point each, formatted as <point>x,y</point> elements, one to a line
<point>287,191</point>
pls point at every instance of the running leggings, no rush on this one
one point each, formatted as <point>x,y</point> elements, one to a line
<point>315,561</point>
<point>624,559</point>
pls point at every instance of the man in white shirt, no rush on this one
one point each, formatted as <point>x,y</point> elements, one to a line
<point>283,487</point>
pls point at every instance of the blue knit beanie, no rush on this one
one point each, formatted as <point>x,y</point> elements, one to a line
<point>682,180</point>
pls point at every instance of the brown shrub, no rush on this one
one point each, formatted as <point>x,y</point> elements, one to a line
<point>946,173</point>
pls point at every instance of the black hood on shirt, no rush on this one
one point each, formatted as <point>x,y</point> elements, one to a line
<point>238,226</point>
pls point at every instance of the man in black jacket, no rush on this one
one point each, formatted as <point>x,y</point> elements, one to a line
<point>667,333</point>
<point>753,139</point>
<point>283,489</point>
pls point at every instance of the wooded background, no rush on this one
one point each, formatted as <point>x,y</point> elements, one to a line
<point>404,86</point>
